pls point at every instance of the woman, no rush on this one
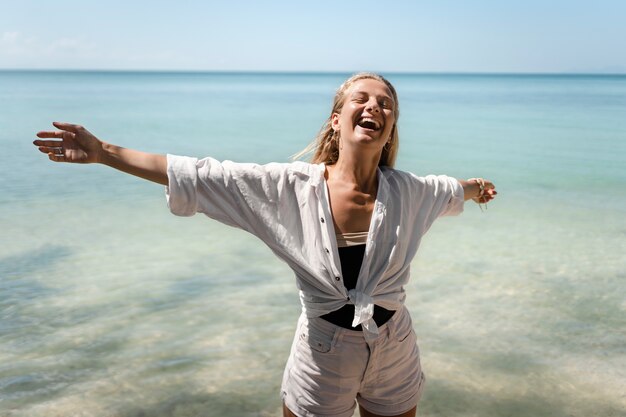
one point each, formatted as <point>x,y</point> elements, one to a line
<point>348,224</point>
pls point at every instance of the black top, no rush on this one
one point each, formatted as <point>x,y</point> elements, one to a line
<point>351,258</point>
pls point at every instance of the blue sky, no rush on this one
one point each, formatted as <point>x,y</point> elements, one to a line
<point>407,36</point>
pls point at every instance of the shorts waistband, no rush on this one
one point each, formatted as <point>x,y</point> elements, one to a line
<point>328,327</point>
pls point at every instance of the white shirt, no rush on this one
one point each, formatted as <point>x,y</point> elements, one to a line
<point>286,205</point>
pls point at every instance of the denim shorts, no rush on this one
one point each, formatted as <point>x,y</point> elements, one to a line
<point>330,368</point>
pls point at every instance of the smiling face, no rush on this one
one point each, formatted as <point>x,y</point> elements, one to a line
<point>367,116</point>
<point>328,143</point>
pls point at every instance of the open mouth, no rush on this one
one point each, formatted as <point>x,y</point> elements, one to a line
<point>369,124</point>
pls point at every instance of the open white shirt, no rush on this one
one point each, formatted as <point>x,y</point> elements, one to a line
<point>286,205</point>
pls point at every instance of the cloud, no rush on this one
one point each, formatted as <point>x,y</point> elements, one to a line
<point>14,43</point>
<point>10,37</point>
<point>17,49</point>
<point>70,46</point>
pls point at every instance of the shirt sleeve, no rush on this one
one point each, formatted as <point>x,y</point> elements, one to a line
<point>436,196</point>
<point>239,195</point>
<point>447,194</point>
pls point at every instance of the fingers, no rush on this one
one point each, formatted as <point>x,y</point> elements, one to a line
<point>489,185</point>
<point>488,197</point>
<point>54,134</point>
<point>66,129</point>
<point>53,147</point>
<point>55,153</point>
<point>56,158</point>
<point>490,192</point>
<point>52,143</point>
<point>50,134</point>
<point>61,141</point>
<point>486,193</point>
<point>66,126</point>
<point>55,150</point>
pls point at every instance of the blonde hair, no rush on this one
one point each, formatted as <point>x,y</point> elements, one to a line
<point>325,147</point>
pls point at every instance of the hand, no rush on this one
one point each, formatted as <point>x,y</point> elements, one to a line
<point>486,193</point>
<point>73,143</point>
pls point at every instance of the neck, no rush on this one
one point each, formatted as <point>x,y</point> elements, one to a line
<point>357,169</point>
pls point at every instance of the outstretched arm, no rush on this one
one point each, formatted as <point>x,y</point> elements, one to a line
<point>478,193</point>
<point>75,144</point>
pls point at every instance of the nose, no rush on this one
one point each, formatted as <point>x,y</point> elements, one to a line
<point>372,105</point>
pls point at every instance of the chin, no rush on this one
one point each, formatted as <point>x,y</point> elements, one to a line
<point>366,139</point>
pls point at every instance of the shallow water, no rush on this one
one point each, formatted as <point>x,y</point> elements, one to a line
<point>111,306</point>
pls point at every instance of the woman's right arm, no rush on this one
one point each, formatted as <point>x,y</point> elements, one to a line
<point>75,144</point>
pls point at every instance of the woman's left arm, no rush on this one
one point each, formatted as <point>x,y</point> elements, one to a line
<point>478,190</point>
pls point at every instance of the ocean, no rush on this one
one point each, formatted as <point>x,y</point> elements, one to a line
<point>111,306</point>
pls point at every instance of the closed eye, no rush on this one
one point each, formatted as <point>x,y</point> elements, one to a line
<point>359,98</point>
<point>386,104</point>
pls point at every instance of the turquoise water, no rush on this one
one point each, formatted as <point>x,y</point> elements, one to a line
<point>111,306</point>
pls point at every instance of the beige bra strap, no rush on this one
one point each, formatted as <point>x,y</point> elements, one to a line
<point>351,239</point>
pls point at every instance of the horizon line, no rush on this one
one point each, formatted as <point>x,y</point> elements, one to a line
<point>309,72</point>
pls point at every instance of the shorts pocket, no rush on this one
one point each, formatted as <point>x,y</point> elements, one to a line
<point>318,339</point>
<point>403,325</point>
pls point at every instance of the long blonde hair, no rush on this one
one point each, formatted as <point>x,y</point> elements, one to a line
<point>325,147</point>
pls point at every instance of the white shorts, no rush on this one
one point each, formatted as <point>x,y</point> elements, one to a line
<point>330,367</point>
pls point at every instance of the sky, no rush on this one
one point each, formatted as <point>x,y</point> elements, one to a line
<point>530,36</point>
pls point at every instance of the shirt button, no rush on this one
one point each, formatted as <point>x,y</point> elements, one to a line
<point>326,249</point>
<point>322,219</point>
<point>337,278</point>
